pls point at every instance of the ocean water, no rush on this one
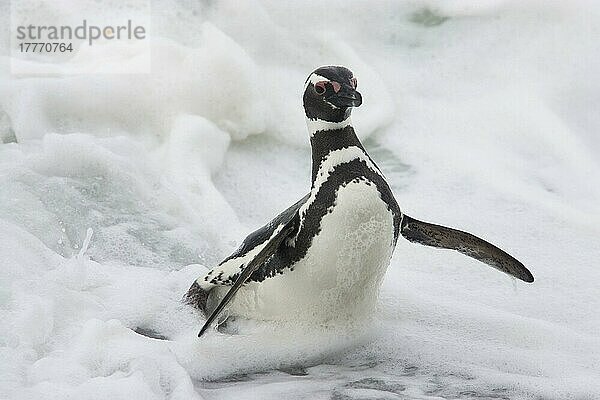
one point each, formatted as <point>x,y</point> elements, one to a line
<point>118,190</point>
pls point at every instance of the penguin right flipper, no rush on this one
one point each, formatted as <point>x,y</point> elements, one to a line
<point>281,233</point>
<point>465,243</point>
<point>227,271</point>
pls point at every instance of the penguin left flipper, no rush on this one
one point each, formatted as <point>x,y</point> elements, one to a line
<point>465,243</point>
<point>281,233</point>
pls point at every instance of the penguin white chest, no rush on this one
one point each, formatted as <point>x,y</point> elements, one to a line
<point>340,274</point>
<point>349,256</point>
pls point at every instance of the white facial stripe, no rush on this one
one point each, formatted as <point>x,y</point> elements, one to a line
<point>333,159</point>
<point>234,265</point>
<point>314,78</point>
<point>315,125</point>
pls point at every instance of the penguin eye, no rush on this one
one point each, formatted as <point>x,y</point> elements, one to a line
<point>320,87</point>
<point>354,83</point>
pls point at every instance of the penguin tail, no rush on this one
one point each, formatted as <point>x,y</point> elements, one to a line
<point>196,297</point>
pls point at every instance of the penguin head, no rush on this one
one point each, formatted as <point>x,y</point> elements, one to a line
<point>330,93</point>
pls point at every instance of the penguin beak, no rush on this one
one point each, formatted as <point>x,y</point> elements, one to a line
<point>347,97</point>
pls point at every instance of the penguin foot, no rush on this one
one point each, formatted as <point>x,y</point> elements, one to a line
<point>151,333</point>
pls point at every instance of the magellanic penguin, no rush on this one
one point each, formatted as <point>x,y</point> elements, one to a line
<point>325,256</point>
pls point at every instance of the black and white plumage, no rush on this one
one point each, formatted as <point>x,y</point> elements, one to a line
<point>326,255</point>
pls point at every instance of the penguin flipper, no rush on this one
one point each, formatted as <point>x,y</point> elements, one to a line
<point>465,243</point>
<point>270,247</point>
